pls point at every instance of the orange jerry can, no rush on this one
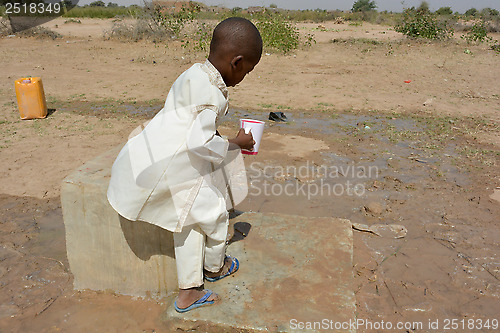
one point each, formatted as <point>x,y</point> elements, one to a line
<point>31,98</point>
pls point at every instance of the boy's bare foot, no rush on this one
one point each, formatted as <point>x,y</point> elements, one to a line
<point>224,270</point>
<point>188,296</point>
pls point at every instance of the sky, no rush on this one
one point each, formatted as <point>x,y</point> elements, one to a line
<point>390,5</point>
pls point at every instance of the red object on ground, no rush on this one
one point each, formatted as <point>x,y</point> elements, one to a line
<point>407,81</point>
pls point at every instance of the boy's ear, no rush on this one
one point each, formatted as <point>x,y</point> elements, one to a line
<point>237,61</point>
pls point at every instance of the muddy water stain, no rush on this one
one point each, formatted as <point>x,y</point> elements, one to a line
<point>33,254</point>
<point>447,265</point>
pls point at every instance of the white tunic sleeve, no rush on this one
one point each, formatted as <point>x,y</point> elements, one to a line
<point>202,140</point>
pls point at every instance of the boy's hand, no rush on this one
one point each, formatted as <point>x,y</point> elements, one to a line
<point>243,140</point>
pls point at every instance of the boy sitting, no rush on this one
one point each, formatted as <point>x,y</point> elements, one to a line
<point>164,175</point>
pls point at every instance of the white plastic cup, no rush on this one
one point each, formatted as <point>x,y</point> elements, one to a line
<point>257,129</point>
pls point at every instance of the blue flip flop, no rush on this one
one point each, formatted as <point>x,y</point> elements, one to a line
<point>201,302</point>
<point>235,264</point>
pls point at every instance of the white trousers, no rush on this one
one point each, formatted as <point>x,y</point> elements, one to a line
<point>202,242</point>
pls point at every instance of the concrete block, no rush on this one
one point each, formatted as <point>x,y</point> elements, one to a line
<point>106,251</point>
<point>295,275</point>
<point>294,270</point>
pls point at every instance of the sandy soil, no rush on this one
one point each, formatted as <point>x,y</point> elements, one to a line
<point>434,141</point>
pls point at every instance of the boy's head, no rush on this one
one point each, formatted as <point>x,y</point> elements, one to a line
<point>235,49</point>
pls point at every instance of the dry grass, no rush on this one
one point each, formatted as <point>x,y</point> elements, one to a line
<point>139,29</point>
<point>39,33</point>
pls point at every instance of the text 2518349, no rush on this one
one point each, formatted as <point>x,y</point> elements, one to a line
<point>17,8</point>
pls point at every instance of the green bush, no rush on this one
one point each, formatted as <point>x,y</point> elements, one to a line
<point>200,39</point>
<point>478,33</point>
<point>277,32</point>
<point>172,20</point>
<point>423,24</point>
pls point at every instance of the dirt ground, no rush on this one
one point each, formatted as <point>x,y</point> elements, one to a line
<point>434,143</point>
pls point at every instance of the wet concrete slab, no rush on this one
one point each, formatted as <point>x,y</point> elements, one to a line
<point>295,275</point>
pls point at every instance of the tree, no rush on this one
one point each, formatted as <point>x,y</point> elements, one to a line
<point>363,6</point>
<point>67,3</point>
<point>97,4</point>
<point>489,13</point>
<point>236,10</point>
<point>112,4</point>
<point>444,11</point>
<point>424,7</point>
<point>471,12</point>
<point>273,5</point>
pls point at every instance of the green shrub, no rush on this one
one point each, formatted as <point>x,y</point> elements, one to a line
<point>173,20</point>
<point>422,24</point>
<point>478,33</point>
<point>277,32</point>
<point>201,37</point>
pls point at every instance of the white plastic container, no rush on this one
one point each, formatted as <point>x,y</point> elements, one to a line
<point>257,129</point>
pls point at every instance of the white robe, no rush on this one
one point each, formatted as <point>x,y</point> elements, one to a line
<point>159,172</point>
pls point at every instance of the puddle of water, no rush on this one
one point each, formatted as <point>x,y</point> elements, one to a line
<point>339,122</point>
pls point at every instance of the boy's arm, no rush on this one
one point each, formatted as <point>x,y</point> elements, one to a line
<point>203,140</point>
<point>242,139</point>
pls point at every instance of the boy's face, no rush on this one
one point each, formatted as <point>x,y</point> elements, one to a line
<point>239,69</point>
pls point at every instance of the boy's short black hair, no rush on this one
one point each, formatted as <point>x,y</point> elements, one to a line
<point>237,34</point>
